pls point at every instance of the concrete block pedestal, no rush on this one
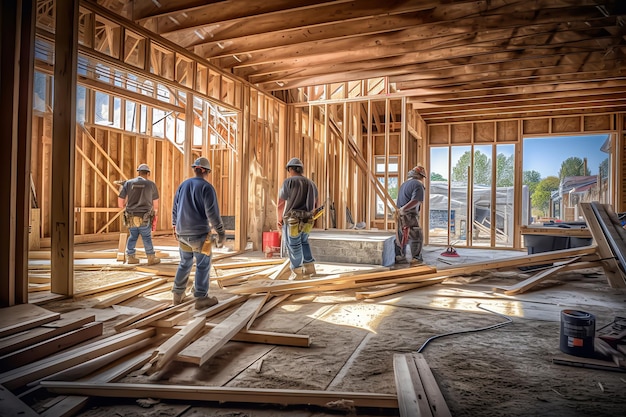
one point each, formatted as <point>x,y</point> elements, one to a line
<point>353,246</point>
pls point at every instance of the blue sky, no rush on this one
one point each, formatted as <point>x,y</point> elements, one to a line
<point>545,155</point>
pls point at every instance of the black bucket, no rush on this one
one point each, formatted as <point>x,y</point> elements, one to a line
<point>578,330</point>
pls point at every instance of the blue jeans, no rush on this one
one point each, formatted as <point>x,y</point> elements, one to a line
<point>146,236</point>
<point>190,247</point>
<point>298,248</point>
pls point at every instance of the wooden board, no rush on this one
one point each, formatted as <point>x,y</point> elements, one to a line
<point>67,322</point>
<point>50,346</point>
<point>223,394</point>
<point>418,392</point>
<point>129,293</point>
<point>22,317</point>
<point>11,406</point>
<point>25,374</point>
<point>205,347</point>
<point>536,279</point>
<point>556,231</point>
<point>611,268</point>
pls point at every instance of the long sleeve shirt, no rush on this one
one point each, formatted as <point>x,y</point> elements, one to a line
<point>195,208</point>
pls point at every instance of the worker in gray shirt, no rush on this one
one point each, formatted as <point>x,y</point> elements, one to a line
<point>139,197</point>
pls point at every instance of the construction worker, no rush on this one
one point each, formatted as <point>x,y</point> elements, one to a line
<point>139,198</point>
<point>409,232</point>
<point>195,211</point>
<point>297,199</point>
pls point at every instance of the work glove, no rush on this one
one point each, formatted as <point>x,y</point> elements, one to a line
<point>221,238</point>
<point>154,223</point>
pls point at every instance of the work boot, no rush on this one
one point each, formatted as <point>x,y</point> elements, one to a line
<point>132,259</point>
<point>153,260</point>
<point>297,274</point>
<point>401,259</point>
<point>418,260</point>
<point>177,298</point>
<point>308,268</point>
<point>205,302</point>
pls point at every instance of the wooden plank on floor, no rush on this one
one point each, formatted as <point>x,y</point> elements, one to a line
<point>205,347</point>
<point>22,317</point>
<point>25,374</point>
<point>536,279</point>
<point>122,324</point>
<point>70,405</point>
<point>67,322</point>
<point>223,394</point>
<point>121,247</point>
<point>50,346</point>
<point>412,400</point>
<point>437,403</point>
<point>609,263</point>
<point>11,406</point>
<point>129,293</point>
<point>172,346</point>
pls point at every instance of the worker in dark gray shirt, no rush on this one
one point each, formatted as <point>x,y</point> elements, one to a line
<point>297,199</point>
<point>139,198</point>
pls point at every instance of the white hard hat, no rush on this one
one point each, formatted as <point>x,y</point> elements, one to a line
<point>202,162</point>
<point>143,167</point>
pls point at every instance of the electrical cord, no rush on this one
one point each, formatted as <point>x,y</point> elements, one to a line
<point>495,326</point>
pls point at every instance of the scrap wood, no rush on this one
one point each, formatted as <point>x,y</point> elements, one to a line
<point>172,320</point>
<point>157,316</point>
<point>273,286</point>
<point>536,279</point>
<point>222,394</point>
<point>418,392</point>
<point>221,306</point>
<point>225,278</point>
<point>205,347</point>
<point>396,288</point>
<point>67,322</point>
<point>258,309</point>
<point>281,271</point>
<point>556,231</point>
<point>70,405</point>
<point>36,370</point>
<point>50,346</point>
<point>164,353</point>
<point>13,406</point>
<point>614,232</point>
<point>121,247</point>
<point>129,293</point>
<point>247,264</point>
<point>273,303</point>
<point>22,317</point>
<point>591,363</point>
<point>614,275</point>
<point>270,338</point>
<point>81,370</point>
<point>122,324</point>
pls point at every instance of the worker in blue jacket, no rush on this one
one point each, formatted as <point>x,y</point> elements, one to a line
<point>195,211</point>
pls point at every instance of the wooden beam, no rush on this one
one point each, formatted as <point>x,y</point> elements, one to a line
<point>64,147</point>
<point>205,347</point>
<point>130,293</point>
<point>25,374</point>
<point>13,406</point>
<point>23,317</point>
<point>67,322</point>
<point>50,346</point>
<point>223,394</point>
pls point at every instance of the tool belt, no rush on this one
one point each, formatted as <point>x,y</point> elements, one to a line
<point>131,220</point>
<point>299,221</point>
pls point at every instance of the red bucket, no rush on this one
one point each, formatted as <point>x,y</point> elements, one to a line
<point>271,242</point>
